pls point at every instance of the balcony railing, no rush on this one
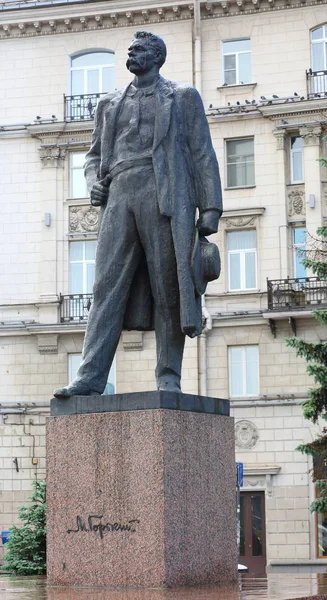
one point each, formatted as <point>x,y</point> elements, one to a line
<point>75,308</point>
<point>81,107</point>
<point>316,84</point>
<point>293,294</point>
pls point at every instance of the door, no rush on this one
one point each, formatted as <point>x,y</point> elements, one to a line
<point>253,531</point>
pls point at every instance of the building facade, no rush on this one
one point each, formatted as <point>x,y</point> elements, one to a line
<point>261,67</point>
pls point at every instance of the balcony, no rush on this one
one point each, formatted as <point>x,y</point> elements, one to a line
<point>316,84</point>
<point>294,294</point>
<point>75,308</point>
<point>81,107</point>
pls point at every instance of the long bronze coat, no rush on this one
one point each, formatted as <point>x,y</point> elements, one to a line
<point>187,177</point>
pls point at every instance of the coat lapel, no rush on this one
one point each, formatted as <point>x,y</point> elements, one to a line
<point>164,100</point>
<point>112,114</point>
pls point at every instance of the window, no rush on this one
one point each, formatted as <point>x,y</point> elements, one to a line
<point>297,160</point>
<point>243,371</point>
<point>78,188</point>
<point>319,48</point>
<point>240,162</point>
<point>82,264</point>
<point>299,237</point>
<point>93,73</point>
<point>242,260</point>
<point>319,59</point>
<point>237,61</point>
<point>74,361</point>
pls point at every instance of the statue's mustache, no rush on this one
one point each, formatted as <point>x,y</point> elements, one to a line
<point>134,61</point>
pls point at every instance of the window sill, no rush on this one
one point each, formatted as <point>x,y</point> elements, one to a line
<point>240,187</point>
<point>82,201</point>
<point>296,183</point>
<point>242,292</point>
<point>237,86</point>
<point>243,398</point>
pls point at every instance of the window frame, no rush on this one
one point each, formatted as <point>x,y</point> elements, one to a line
<point>236,187</point>
<point>112,372</point>
<point>242,263</point>
<point>244,363</point>
<point>71,169</point>
<point>236,54</point>
<point>84,262</point>
<point>90,68</point>
<point>322,40</point>
<point>292,153</point>
<point>294,251</point>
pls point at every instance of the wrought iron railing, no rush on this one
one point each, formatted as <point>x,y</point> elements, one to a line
<point>81,107</point>
<point>316,84</point>
<point>75,307</point>
<point>292,294</point>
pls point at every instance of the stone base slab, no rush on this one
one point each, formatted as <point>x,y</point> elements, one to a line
<point>142,498</point>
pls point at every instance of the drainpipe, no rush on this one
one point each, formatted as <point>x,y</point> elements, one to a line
<point>202,350</point>
<point>197,47</point>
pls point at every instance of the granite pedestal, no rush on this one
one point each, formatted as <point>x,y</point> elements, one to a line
<point>141,491</point>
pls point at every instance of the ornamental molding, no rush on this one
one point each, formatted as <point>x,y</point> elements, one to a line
<point>241,218</point>
<point>280,139</point>
<point>132,340</point>
<point>83,219</point>
<point>52,156</point>
<point>260,476</point>
<point>77,18</point>
<point>311,134</point>
<point>296,203</point>
<point>238,222</point>
<point>246,434</point>
<point>47,344</point>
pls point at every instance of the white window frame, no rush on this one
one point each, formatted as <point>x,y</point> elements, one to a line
<point>295,247</point>
<point>84,262</point>
<point>245,185</point>
<point>71,170</point>
<point>321,40</point>
<point>292,153</point>
<point>90,68</point>
<point>244,367</point>
<point>236,54</point>
<point>242,253</point>
<point>72,373</point>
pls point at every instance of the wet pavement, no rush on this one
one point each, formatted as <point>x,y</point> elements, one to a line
<point>271,587</point>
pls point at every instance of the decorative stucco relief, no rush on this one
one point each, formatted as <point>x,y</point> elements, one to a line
<point>246,434</point>
<point>296,203</point>
<point>236,222</point>
<point>83,219</point>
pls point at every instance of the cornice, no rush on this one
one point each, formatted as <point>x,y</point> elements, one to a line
<point>84,16</point>
<point>293,109</point>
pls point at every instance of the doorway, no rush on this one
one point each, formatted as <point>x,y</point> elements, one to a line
<point>253,531</point>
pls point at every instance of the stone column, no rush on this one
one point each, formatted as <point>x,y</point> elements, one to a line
<point>280,192</point>
<point>311,154</point>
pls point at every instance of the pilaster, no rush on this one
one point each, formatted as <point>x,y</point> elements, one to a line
<point>313,193</point>
<point>280,189</point>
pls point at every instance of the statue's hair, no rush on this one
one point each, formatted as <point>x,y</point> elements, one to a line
<point>155,41</point>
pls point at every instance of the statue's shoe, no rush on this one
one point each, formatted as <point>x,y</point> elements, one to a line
<point>78,389</point>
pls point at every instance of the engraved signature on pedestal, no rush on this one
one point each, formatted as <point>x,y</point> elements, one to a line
<point>95,524</point>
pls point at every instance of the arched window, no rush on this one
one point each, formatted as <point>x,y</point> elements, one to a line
<point>319,60</point>
<point>93,73</point>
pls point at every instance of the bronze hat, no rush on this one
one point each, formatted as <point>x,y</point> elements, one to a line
<point>205,263</point>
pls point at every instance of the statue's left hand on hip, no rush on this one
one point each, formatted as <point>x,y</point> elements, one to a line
<point>208,222</point>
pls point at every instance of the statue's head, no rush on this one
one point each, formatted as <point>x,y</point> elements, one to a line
<point>146,51</point>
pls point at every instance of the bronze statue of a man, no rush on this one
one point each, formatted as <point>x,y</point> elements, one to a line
<point>150,166</point>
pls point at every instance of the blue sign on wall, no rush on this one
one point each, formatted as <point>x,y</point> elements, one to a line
<point>240,473</point>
